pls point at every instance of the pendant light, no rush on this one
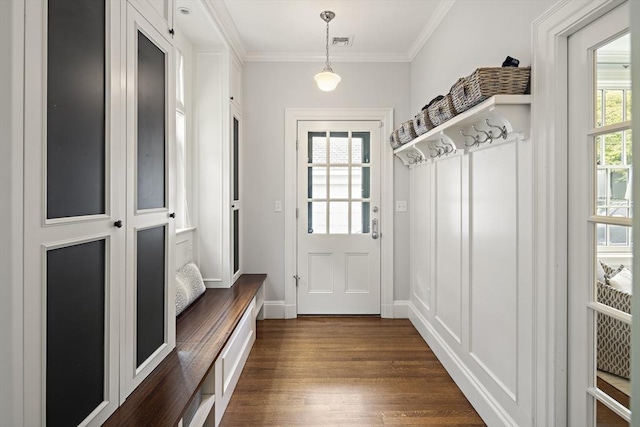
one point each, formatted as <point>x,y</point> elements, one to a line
<point>327,80</point>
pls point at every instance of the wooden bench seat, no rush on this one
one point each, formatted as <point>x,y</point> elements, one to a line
<point>202,331</point>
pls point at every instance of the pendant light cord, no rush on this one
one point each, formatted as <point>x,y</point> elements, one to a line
<point>328,64</point>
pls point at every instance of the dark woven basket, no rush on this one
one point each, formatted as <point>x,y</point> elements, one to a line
<point>442,110</point>
<point>406,132</point>
<point>484,83</point>
<point>422,122</point>
<point>394,140</point>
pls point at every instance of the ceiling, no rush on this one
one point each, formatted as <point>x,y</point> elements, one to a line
<point>292,30</point>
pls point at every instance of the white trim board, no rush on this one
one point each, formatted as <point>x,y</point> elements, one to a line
<point>292,116</point>
<point>635,304</point>
<point>550,33</point>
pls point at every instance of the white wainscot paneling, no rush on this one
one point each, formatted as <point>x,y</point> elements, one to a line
<point>448,254</point>
<point>419,237</point>
<point>494,263</point>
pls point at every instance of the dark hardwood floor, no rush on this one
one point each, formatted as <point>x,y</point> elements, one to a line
<point>358,371</point>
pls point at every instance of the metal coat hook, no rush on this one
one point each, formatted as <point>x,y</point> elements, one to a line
<point>414,158</point>
<point>474,139</point>
<point>448,147</point>
<point>488,137</point>
<point>433,149</point>
<point>503,130</point>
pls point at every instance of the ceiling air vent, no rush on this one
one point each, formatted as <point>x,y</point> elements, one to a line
<point>342,41</point>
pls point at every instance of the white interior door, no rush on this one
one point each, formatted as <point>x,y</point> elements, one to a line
<point>600,210</point>
<point>339,229</point>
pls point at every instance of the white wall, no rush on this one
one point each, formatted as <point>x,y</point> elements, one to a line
<point>268,89</point>
<point>478,33</point>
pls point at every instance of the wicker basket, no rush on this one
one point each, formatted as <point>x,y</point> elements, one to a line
<point>442,110</point>
<point>422,122</point>
<point>394,140</point>
<point>406,132</point>
<point>483,83</point>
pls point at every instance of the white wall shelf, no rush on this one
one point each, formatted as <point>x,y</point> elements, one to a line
<point>489,122</point>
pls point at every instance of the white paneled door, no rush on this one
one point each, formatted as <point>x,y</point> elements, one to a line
<point>600,211</point>
<point>339,229</point>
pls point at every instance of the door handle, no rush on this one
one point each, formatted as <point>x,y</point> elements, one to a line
<point>374,229</point>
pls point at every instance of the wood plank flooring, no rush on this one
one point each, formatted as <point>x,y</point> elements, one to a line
<point>358,371</point>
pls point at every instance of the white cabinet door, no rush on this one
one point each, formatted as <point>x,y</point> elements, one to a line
<point>149,333</point>
<point>159,13</point>
<point>73,251</point>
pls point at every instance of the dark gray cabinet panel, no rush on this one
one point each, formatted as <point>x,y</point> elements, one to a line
<point>150,292</point>
<point>236,241</point>
<point>75,332</point>
<point>76,150</point>
<point>151,113</point>
<point>236,159</point>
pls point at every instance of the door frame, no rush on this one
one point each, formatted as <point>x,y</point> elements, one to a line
<point>549,126</point>
<point>292,116</point>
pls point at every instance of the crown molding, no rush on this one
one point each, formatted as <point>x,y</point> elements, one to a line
<point>433,23</point>
<point>319,57</point>
<point>227,28</point>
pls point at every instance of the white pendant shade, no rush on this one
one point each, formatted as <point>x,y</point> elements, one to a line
<point>327,80</point>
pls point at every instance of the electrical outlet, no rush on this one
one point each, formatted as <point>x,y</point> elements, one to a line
<point>278,206</point>
<point>401,205</point>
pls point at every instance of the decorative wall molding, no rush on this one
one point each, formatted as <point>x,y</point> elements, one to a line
<point>432,24</point>
<point>319,57</point>
<point>483,402</point>
<point>401,309</point>
<point>227,28</point>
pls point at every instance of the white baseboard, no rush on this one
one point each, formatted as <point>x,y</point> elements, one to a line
<point>274,310</point>
<point>483,402</point>
<point>401,309</point>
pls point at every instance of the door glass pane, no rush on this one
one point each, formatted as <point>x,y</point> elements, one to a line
<point>317,146</point>
<point>360,219</point>
<point>75,313</point>
<point>605,417</point>
<point>150,291</point>
<point>613,80</point>
<point>151,125</point>
<point>317,217</point>
<point>317,182</point>
<point>613,276</point>
<point>339,147</point>
<point>339,217</point>
<point>76,148</point>
<point>360,182</point>
<point>613,175</point>
<point>613,339</point>
<point>360,147</point>
<point>339,182</point>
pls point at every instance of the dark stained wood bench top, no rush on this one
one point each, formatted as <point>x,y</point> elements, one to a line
<point>202,331</point>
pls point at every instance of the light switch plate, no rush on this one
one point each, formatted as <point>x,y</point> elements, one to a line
<point>401,205</point>
<point>278,206</point>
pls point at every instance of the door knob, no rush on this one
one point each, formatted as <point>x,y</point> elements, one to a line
<point>172,215</point>
<point>374,229</point>
<point>118,224</point>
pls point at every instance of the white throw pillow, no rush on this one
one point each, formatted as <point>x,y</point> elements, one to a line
<point>622,281</point>
<point>182,297</point>
<point>600,272</point>
<point>190,276</point>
